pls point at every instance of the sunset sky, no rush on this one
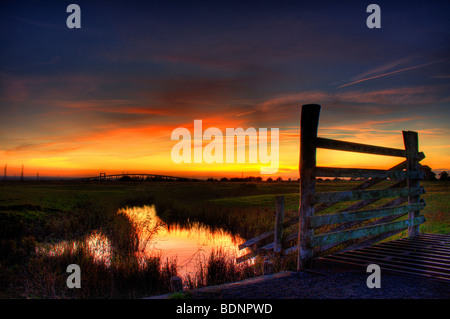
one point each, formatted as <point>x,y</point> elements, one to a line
<point>106,97</point>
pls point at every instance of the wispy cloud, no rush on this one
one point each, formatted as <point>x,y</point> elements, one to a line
<point>392,72</point>
<point>383,68</point>
<point>245,113</point>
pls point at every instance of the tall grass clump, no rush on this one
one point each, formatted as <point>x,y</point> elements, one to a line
<point>104,243</point>
<point>125,277</point>
<point>219,268</point>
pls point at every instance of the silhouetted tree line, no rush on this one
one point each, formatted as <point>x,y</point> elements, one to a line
<point>127,178</point>
<point>245,179</point>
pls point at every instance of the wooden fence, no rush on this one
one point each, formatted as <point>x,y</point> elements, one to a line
<point>350,227</point>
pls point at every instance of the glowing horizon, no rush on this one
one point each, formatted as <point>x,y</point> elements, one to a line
<point>289,153</point>
<point>105,98</point>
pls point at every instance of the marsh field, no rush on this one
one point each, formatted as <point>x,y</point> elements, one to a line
<point>116,232</point>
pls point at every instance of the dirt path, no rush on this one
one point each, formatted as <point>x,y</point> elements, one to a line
<point>302,285</point>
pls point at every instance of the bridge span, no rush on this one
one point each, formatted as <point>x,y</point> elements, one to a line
<point>136,177</point>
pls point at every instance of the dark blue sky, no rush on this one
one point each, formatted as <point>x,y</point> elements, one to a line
<point>162,64</point>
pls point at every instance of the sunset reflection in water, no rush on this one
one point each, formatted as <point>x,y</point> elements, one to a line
<point>188,244</point>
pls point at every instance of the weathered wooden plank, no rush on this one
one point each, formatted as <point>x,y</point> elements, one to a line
<point>290,250</point>
<point>382,220</point>
<point>279,216</point>
<point>309,124</point>
<point>395,202</point>
<point>328,238</point>
<point>364,148</point>
<point>359,172</point>
<point>364,243</point>
<point>365,195</point>
<point>336,218</point>
<point>411,141</point>
<point>367,184</point>
<point>255,240</point>
<point>254,253</point>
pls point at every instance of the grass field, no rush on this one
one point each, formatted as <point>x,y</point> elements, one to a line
<point>36,213</point>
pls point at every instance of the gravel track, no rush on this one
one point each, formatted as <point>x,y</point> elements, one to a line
<point>304,285</point>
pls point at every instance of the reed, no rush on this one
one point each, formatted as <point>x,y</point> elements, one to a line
<point>37,269</point>
<point>220,268</point>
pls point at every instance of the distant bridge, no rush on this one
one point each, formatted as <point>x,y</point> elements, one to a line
<point>135,177</point>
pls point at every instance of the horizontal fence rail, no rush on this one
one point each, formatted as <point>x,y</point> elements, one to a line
<point>364,195</point>
<point>364,148</point>
<point>358,172</point>
<point>330,219</point>
<point>329,238</point>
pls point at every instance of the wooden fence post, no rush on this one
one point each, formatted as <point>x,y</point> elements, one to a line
<point>279,216</point>
<point>308,140</point>
<point>411,141</point>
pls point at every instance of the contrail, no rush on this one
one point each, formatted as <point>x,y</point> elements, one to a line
<point>393,72</point>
